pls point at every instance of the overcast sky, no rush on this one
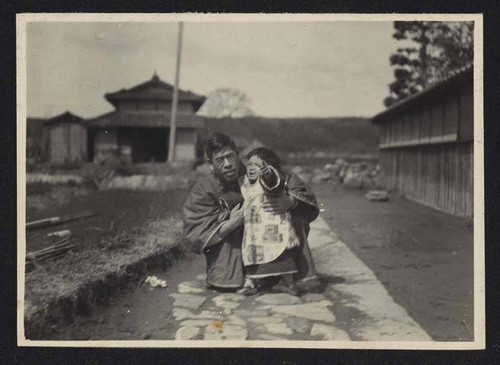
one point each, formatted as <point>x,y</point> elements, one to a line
<point>290,69</point>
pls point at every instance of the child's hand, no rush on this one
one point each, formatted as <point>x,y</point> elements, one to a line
<point>266,171</point>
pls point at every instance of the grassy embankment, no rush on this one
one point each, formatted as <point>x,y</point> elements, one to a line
<point>133,231</point>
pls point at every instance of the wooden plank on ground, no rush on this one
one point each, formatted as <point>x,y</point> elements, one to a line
<point>58,220</point>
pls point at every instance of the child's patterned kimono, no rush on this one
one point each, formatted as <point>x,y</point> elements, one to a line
<point>266,235</point>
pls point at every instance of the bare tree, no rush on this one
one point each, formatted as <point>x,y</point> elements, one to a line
<point>225,102</point>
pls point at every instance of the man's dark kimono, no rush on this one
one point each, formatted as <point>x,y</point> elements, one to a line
<point>208,207</point>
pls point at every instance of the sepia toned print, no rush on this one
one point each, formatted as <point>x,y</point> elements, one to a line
<point>240,180</point>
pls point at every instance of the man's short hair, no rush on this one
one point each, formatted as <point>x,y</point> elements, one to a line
<point>216,142</point>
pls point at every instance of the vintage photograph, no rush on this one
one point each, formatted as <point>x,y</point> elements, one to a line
<point>250,180</point>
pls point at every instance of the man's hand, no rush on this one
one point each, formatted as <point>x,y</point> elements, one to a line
<point>236,216</point>
<point>278,204</point>
<point>236,219</point>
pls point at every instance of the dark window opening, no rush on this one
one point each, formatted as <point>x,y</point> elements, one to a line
<point>141,145</point>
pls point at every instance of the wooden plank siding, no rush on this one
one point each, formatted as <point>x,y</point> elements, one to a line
<point>466,128</point>
<point>439,176</point>
<point>68,142</point>
<point>426,147</point>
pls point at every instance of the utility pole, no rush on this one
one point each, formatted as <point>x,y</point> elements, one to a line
<point>175,101</point>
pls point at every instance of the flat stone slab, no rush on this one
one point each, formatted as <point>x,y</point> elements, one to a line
<point>225,332</point>
<point>244,313</point>
<point>236,321</point>
<point>188,300</point>
<point>209,314</point>
<point>187,288</point>
<point>232,297</point>
<point>268,337</point>
<point>316,311</point>
<point>297,324</point>
<point>197,322</point>
<point>321,240</point>
<point>187,333</point>
<point>221,302</point>
<point>313,297</point>
<point>182,314</point>
<point>232,320</point>
<point>329,333</point>
<point>264,320</point>
<point>278,328</point>
<point>193,283</point>
<point>201,277</point>
<point>278,299</point>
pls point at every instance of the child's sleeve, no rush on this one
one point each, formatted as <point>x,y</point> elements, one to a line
<point>274,182</point>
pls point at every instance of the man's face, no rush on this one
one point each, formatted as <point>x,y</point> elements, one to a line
<point>226,164</point>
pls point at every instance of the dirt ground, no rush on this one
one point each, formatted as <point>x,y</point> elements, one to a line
<point>423,257</point>
<point>146,313</point>
<point>142,313</point>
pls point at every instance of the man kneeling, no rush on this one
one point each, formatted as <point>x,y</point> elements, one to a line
<point>213,216</point>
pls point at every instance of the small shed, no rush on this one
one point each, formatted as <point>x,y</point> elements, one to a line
<point>36,140</point>
<point>426,145</point>
<point>66,138</point>
<point>138,129</point>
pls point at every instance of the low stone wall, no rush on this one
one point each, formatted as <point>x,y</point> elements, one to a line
<point>53,179</point>
<point>113,181</point>
<point>144,182</point>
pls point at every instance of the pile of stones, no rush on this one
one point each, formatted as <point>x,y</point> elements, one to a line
<point>356,174</point>
<point>352,174</point>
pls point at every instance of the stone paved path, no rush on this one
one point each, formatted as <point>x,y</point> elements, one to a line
<point>205,314</point>
<point>349,305</point>
<point>273,316</point>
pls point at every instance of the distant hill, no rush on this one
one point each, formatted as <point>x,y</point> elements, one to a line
<point>333,135</point>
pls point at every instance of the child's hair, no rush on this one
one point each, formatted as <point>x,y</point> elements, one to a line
<point>267,155</point>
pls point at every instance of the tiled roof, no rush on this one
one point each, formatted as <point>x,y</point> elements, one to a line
<point>66,117</point>
<point>456,78</point>
<point>144,118</point>
<point>155,90</point>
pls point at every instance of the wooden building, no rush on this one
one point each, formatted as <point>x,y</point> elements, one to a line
<point>36,140</point>
<point>139,127</point>
<point>426,145</point>
<point>66,138</point>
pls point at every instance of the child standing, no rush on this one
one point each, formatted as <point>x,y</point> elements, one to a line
<point>269,239</point>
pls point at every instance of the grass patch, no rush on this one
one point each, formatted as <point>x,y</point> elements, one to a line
<point>38,188</point>
<point>59,290</point>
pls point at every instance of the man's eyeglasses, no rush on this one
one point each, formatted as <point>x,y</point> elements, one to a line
<point>232,157</point>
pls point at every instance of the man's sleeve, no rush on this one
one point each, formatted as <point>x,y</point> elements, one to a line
<point>307,207</point>
<point>274,182</point>
<point>203,217</point>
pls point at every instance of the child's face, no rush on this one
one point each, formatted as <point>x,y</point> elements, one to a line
<point>254,165</point>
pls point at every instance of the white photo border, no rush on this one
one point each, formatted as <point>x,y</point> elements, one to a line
<point>479,235</point>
